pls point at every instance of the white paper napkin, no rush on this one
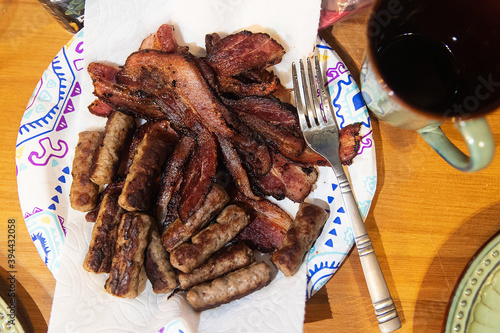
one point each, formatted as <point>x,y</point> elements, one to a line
<point>113,30</point>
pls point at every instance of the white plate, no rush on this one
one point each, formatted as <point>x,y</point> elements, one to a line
<point>48,133</point>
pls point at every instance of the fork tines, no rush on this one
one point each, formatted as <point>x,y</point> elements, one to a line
<point>316,110</point>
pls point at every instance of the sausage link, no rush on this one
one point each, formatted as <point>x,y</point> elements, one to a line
<point>83,192</point>
<point>104,233</point>
<point>230,287</point>
<point>226,260</point>
<point>180,231</point>
<point>128,262</point>
<point>118,131</point>
<point>299,239</point>
<point>146,167</point>
<point>159,271</point>
<point>209,240</point>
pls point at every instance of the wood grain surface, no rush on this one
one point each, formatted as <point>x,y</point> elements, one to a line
<point>426,222</point>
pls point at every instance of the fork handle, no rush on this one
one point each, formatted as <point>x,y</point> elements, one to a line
<point>385,309</point>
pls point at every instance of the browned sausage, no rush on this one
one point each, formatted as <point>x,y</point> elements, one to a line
<point>230,287</point>
<point>159,271</point>
<point>299,239</point>
<point>128,262</point>
<point>180,231</point>
<point>209,240</point>
<point>118,131</point>
<point>226,260</point>
<point>147,166</point>
<point>83,192</point>
<point>104,233</point>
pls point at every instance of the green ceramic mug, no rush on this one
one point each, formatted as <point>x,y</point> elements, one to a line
<point>431,61</point>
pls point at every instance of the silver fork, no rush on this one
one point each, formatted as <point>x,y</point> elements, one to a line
<point>322,135</point>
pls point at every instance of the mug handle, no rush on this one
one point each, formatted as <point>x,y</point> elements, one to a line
<point>477,135</point>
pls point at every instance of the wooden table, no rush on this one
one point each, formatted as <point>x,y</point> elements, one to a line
<point>426,222</point>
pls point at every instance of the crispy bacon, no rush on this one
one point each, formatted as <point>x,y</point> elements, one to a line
<point>210,41</point>
<point>269,109</point>
<point>171,179</point>
<point>102,71</point>
<point>119,96</point>
<point>236,169</point>
<point>200,173</point>
<point>268,224</point>
<point>157,73</point>
<point>255,156</point>
<point>100,108</point>
<point>281,139</point>
<point>207,73</point>
<point>273,120</point>
<point>349,143</point>
<point>252,83</point>
<point>310,157</point>
<point>163,40</point>
<point>242,52</point>
<point>288,179</point>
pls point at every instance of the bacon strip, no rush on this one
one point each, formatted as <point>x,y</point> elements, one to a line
<point>276,136</point>
<point>199,174</point>
<point>310,157</point>
<point>268,109</point>
<point>158,72</point>
<point>255,155</point>
<point>268,224</point>
<point>242,52</point>
<point>233,163</point>
<point>349,143</point>
<point>288,179</point>
<point>163,40</point>
<point>172,177</point>
<point>252,83</point>
<point>120,96</point>
<point>100,108</point>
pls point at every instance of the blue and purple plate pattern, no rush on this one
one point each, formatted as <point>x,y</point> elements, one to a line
<point>47,137</point>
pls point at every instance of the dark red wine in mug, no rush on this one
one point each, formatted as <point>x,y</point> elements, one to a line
<point>442,57</point>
